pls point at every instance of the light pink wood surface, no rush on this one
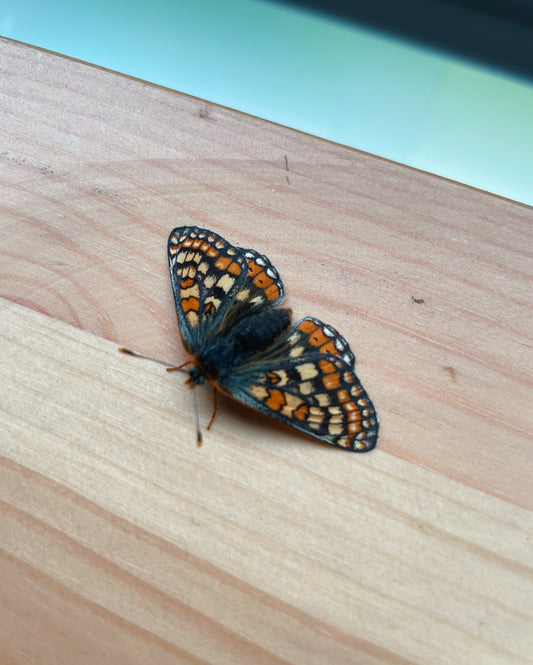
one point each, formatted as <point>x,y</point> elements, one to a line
<point>123,542</point>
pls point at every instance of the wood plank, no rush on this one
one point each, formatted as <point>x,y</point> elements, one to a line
<point>119,537</point>
<point>251,549</point>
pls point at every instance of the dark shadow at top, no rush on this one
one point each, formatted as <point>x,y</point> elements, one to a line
<point>495,33</point>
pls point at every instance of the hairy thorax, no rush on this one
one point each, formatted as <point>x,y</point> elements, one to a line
<point>247,338</point>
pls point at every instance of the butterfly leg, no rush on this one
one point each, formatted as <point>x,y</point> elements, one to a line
<point>180,368</point>
<point>215,400</point>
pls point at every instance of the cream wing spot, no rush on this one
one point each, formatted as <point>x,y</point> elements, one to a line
<point>296,351</point>
<point>226,282</point>
<point>307,371</point>
<point>209,281</point>
<point>282,377</point>
<point>293,402</point>
<point>259,391</point>
<point>323,399</point>
<point>211,300</point>
<point>192,291</point>
<point>192,318</point>
<point>306,387</point>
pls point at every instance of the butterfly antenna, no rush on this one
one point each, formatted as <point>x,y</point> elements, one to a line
<point>169,367</point>
<point>197,417</point>
<point>129,352</point>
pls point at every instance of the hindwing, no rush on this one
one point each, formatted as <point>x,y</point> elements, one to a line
<point>307,379</point>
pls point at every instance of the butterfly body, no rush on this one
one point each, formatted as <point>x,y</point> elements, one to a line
<point>253,334</point>
<point>239,337</point>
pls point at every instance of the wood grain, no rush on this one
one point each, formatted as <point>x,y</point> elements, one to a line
<point>121,541</point>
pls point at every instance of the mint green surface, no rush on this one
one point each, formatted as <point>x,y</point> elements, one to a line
<point>328,78</point>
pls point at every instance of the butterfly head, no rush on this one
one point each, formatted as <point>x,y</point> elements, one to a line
<point>195,377</point>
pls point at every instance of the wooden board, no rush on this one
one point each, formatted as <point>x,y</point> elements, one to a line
<point>122,542</point>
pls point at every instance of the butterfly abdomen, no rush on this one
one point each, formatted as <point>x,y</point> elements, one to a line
<point>252,335</point>
<point>258,332</point>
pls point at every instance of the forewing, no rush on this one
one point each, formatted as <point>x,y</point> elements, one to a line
<point>206,273</point>
<point>263,283</point>
<point>261,289</point>
<point>307,379</point>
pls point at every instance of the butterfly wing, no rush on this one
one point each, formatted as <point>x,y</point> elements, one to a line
<point>261,290</point>
<point>307,379</point>
<point>206,274</point>
<point>216,285</point>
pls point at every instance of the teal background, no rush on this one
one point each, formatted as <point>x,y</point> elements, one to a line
<point>346,83</point>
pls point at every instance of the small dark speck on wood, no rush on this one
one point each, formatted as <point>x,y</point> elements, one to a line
<point>451,371</point>
<point>204,113</point>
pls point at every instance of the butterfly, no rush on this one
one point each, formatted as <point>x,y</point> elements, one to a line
<point>240,338</point>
